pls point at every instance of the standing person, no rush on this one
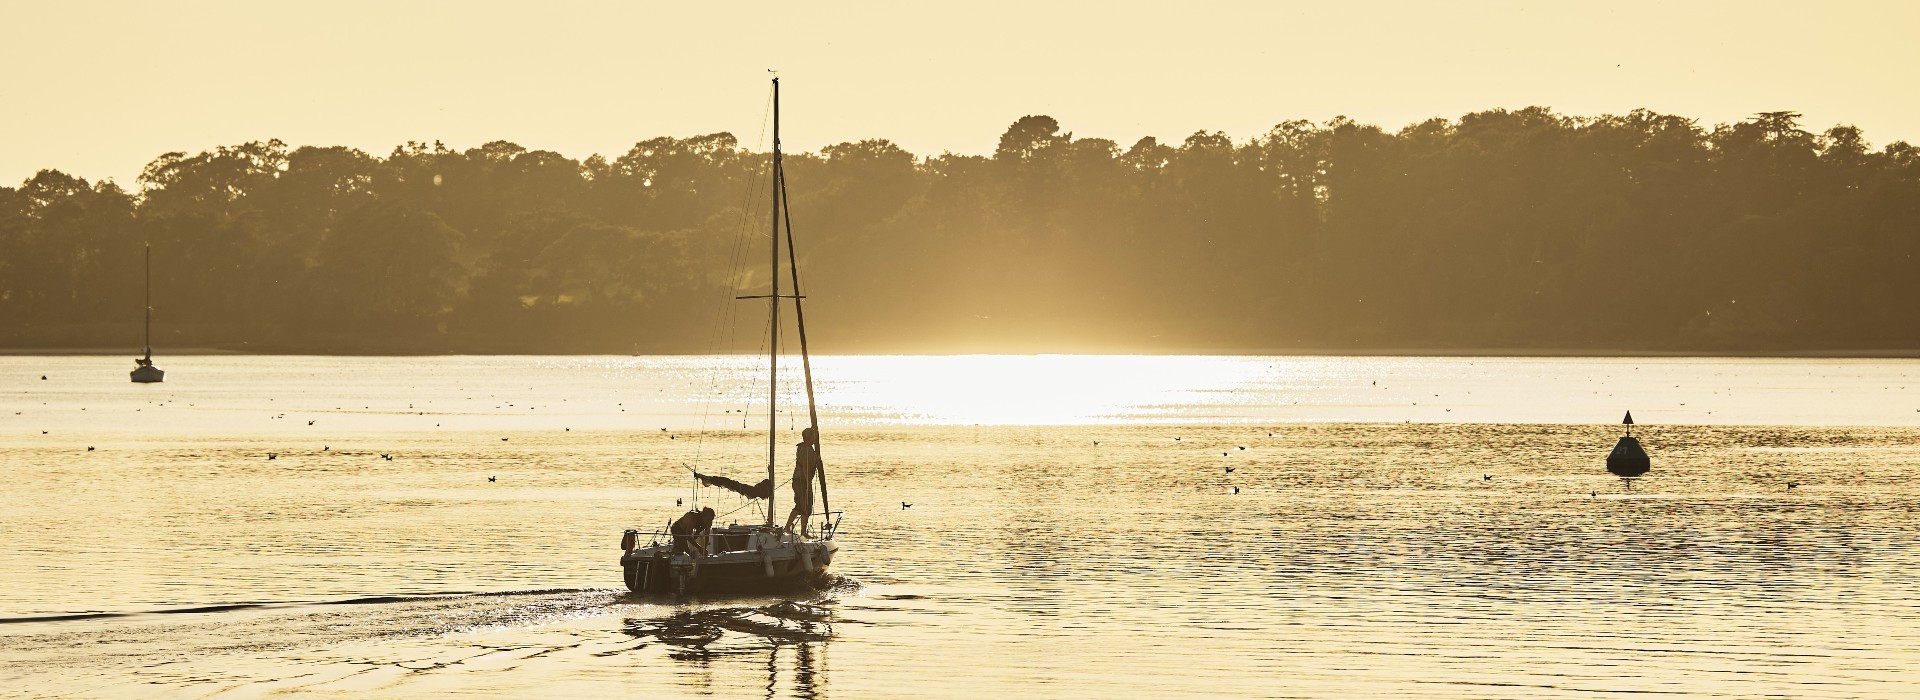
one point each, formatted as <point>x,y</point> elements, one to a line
<point>806,463</point>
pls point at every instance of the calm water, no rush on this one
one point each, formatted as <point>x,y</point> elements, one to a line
<point>1412,527</point>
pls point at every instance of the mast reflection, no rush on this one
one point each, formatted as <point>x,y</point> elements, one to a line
<point>703,636</point>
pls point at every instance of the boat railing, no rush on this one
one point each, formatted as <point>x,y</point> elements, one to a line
<point>716,540</point>
<point>831,523</point>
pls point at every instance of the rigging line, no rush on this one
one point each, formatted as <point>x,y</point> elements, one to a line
<point>724,313</point>
<point>735,261</point>
<point>726,316</point>
<point>749,212</point>
<point>800,323</point>
<point>730,326</point>
<point>748,203</point>
<point>766,341</point>
<point>706,403</point>
<point>742,507</point>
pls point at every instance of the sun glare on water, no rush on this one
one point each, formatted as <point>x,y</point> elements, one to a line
<point>1173,389</point>
<point>1029,389</point>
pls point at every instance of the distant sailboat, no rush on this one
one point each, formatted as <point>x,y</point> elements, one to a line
<point>146,373</point>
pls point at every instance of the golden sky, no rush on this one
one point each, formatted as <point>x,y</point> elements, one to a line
<point>99,89</point>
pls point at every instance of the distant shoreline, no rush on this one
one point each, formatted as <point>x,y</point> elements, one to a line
<point>1898,354</point>
<point>97,352</point>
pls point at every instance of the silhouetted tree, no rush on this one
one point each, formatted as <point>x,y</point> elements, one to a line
<point>389,269</point>
<point>1522,229</point>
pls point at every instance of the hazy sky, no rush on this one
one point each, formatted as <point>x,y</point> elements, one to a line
<point>100,88</point>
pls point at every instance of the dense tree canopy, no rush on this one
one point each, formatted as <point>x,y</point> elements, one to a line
<point>1522,230</point>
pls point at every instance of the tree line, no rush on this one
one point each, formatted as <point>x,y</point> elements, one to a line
<point>1526,230</point>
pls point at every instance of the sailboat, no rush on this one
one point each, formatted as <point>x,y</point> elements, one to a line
<point>695,556</point>
<point>145,372</point>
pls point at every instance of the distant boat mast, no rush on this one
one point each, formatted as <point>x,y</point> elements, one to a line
<point>148,350</point>
<point>145,372</point>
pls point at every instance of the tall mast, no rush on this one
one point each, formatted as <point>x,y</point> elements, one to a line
<point>149,345</point>
<point>773,305</point>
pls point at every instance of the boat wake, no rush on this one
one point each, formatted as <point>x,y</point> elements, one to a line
<point>584,598</point>
<point>231,607</point>
<point>357,643</point>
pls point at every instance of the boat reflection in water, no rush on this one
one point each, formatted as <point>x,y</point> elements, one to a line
<point>702,636</point>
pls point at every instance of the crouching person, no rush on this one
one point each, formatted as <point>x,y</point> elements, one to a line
<point>690,532</point>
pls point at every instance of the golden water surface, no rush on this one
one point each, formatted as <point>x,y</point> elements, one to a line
<point>1412,527</point>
